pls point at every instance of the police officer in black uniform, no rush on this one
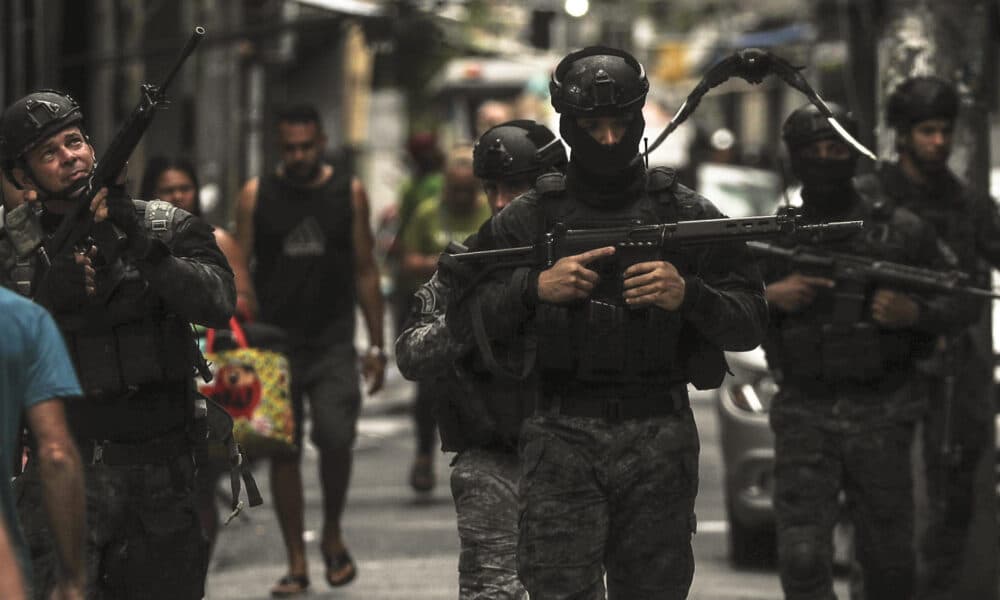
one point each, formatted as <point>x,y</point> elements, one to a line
<point>609,461</point>
<point>127,326</point>
<point>958,427</point>
<point>480,414</point>
<point>843,356</point>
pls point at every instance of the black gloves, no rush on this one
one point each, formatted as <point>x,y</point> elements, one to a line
<point>121,212</point>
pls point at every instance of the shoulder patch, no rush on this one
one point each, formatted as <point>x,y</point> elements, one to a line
<point>550,184</point>
<point>660,178</point>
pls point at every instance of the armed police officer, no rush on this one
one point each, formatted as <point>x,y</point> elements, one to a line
<point>958,427</point>
<point>127,326</point>
<point>842,353</point>
<point>480,415</point>
<point>609,460</point>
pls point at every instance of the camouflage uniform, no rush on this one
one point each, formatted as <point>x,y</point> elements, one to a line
<point>970,225</point>
<point>144,538</point>
<point>485,475</point>
<point>845,414</point>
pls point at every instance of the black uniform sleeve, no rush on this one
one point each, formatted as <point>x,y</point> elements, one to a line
<point>987,219</point>
<point>192,275</point>
<point>724,296</point>
<point>941,313</point>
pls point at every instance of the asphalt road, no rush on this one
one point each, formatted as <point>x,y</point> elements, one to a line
<point>407,547</point>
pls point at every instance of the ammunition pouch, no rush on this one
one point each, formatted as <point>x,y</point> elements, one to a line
<point>212,435</point>
<point>603,342</point>
<point>114,360</point>
<point>832,352</point>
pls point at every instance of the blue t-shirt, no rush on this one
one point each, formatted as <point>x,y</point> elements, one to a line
<point>34,367</point>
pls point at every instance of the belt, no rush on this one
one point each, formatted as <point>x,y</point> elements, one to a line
<point>614,408</point>
<point>157,451</point>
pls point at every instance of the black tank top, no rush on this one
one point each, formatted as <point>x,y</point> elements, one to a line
<point>304,250</point>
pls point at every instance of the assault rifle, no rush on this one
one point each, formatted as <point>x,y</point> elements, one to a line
<point>638,243</point>
<point>840,267</point>
<point>79,223</point>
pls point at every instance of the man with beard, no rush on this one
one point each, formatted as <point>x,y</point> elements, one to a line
<point>126,323</point>
<point>479,415</point>
<point>843,357</point>
<point>958,426</point>
<point>609,460</point>
<point>306,224</point>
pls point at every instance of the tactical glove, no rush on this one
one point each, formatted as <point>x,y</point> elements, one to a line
<point>64,287</point>
<point>121,212</point>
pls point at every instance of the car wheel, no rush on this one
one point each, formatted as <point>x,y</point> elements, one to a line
<point>751,547</point>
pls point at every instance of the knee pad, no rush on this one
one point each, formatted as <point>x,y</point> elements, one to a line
<point>804,562</point>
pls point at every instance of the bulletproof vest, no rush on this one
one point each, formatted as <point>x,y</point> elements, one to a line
<point>600,340</point>
<point>835,339</point>
<point>128,339</point>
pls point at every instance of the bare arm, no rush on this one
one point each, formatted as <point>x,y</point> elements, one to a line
<point>62,487</point>
<point>11,582</point>
<point>245,207</point>
<point>369,293</point>
<point>246,298</point>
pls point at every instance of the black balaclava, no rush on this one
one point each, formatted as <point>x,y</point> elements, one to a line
<point>598,173</point>
<point>826,183</point>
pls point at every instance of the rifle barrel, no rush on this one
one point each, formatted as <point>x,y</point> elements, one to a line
<point>196,36</point>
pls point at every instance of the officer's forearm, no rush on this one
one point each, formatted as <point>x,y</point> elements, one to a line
<point>197,291</point>
<point>732,319</point>
<point>63,496</point>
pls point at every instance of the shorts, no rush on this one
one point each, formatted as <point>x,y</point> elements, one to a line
<point>329,378</point>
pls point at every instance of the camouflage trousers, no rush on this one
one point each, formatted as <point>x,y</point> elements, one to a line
<point>816,458</point>
<point>484,487</point>
<point>143,540</point>
<point>608,497</point>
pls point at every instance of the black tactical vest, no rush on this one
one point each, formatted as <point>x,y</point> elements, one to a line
<point>130,340</point>
<point>835,340</point>
<point>601,341</point>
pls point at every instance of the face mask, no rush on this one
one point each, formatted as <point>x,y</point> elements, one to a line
<point>597,158</point>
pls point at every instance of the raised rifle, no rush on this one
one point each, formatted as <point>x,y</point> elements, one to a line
<point>79,223</point>
<point>849,267</point>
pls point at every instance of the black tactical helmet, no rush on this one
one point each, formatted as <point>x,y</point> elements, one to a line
<point>517,149</point>
<point>919,99</point>
<point>32,119</point>
<point>597,81</point>
<point>807,124</point>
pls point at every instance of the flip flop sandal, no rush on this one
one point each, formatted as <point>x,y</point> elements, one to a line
<point>338,564</point>
<point>290,585</point>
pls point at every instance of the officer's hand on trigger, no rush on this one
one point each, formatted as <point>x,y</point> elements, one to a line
<point>894,310</point>
<point>795,292</point>
<point>570,279</point>
<point>655,283</point>
<point>99,205</point>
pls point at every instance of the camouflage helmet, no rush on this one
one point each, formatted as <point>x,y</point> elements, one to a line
<point>919,99</point>
<point>514,149</point>
<point>598,81</point>
<point>32,119</point>
<point>807,124</point>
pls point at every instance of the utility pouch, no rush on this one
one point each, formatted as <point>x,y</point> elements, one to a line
<point>802,351</point>
<point>96,361</point>
<point>603,341</point>
<point>851,352</point>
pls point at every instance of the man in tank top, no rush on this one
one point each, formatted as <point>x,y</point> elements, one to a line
<point>306,226</point>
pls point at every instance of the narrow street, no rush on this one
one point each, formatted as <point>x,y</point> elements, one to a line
<point>407,547</point>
